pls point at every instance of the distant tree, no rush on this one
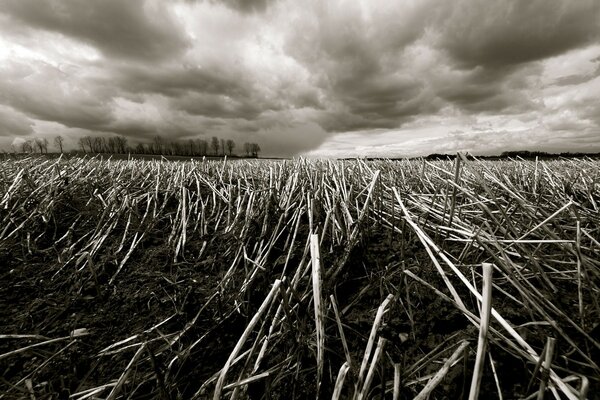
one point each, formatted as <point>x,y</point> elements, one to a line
<point>202,147</point>
<point>230,146</point>
<point>81,144</point>
<point>157,145</point>
<point>140,149</point>
<point>527,154</point>
<point>437,156</point>
<point>86,144</point>
<point>58,142</point>
<point>223,143</point>
<point>121,144</point>
<point>111,145</point>
<point>27,146</point>
<point>176,149</point>
<point>191,147</point>
<point>42,145</point>
<point>255,149</point>
<point>98,144</point>
<point>248,149</point>
<point>214,144</point>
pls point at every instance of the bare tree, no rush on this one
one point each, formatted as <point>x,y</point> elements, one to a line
<point>230,146</point>
<point>202,147</point>
<point>255,149</point>
<point>81,143</point>
<point>58,142</point>
<point>111,145</point>
<point>86,143</point>
<point>175,148</point>
<point>121,144</point>
<point>140,149</point>
<point>98,144</point>
<point>42,145</point>
<point>214,144</point>
<point>27,146</point>
<point>157,146</point>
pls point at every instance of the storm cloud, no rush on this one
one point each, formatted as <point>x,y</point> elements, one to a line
<point>123,29</point>
<point>370,77</point>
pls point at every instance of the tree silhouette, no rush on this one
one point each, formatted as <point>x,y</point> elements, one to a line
<point>255,149</point>
<point>214,144</point>
<point>157,144</point>
<point>121,144</point>
<point>251,149</point>
<point>27,147</point>
<point>140,149</point>
<point>202,147</point>
<point>58,142</point>
<point>97,144</point>
<point>42,145</point>
<point>230,146</point>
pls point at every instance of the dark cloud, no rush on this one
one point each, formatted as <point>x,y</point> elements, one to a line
<point>224,92</point>
<point>496,34</point>
<point>177,80</point>
<point>346,122</point>
<point>42,92</point>
<point>140,130</point>
<point>357,66</point>
<point>13,123</point>
<point>218,106</point>
<point>386,98</point>
<point>482,90</point>
<point>126,29</point>
<point>289,138</point>
<point>245,6</point>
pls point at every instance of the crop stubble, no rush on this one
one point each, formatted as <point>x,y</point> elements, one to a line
<point>290,279</point>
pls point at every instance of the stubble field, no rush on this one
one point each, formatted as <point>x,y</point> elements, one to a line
<point>291,279</point>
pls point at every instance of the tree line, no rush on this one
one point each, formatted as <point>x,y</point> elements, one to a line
<point>158,146</point>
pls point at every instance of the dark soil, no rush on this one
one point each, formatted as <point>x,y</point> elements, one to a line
<point>38,300</point>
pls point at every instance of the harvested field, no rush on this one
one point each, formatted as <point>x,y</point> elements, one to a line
<point>292,279</point>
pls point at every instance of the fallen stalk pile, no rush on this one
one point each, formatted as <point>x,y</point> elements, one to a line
<point>297,279</point>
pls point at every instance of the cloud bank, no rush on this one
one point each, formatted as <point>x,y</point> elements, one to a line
<point>325,78</point>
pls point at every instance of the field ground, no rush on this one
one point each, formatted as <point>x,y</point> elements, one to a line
<point>277,279</point>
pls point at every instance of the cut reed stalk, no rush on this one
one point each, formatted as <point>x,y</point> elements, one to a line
<point>117,388</point>
<point>318,306</point>
<point>397,377</point>
<point>339,382</point>
<point>265,304</point>
<point>374,329</point>
<point>486,307</point>
<point>369,379</point>
<point>437,378</point>
<point>549,355</point>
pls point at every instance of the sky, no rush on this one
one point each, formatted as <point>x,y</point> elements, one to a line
<point>323,78</point>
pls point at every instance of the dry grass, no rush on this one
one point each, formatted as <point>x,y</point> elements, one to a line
<point>314,275</point>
